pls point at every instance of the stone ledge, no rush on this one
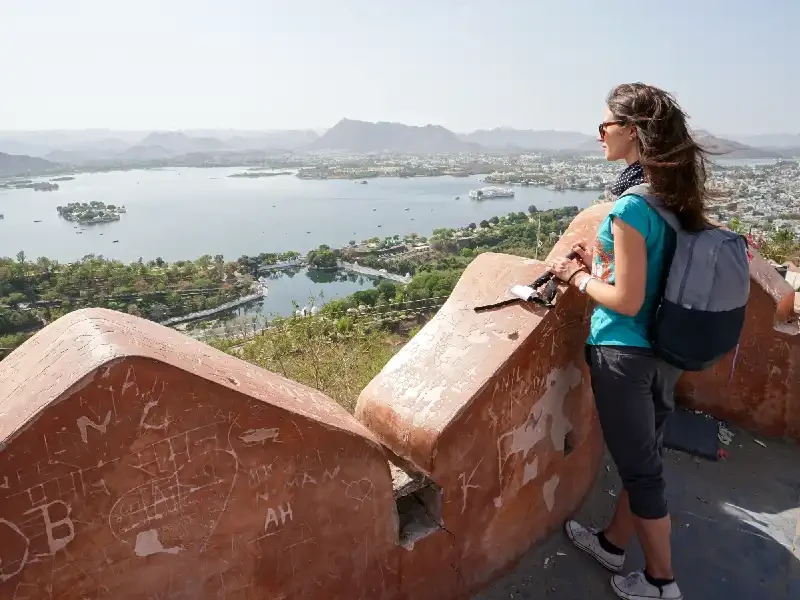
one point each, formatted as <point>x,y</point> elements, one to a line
<point>62,357</point>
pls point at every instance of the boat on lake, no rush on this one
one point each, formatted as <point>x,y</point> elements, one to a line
<point>491,192</point>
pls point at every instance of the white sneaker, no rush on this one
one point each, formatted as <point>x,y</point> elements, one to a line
<point>636,587</point>
<point>586,540</point>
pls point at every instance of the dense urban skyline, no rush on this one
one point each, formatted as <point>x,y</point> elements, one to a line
<point>464,65</point>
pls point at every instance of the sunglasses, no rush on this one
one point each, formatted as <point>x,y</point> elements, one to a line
<point>604,125</point>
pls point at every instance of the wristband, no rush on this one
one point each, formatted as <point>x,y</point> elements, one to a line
<point>573,275</point>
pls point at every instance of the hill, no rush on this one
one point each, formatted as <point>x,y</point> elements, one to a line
<point>147,152</point>
<point>725,148</point>
<point>362,136</point>
<point>95,143</point>
<point>180,143</point>
<point>289,139</point>
<point>505,138</point>
<point>87,152</point>
<point>15,164</point>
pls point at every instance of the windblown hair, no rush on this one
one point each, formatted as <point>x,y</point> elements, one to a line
<point>674,163</point>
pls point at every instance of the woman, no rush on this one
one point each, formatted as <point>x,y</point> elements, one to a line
<point>633,389</point>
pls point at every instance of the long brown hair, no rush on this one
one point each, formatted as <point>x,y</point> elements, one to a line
<point>674,163</point>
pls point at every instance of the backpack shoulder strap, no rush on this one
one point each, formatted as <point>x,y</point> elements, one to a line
<point>656,204</point>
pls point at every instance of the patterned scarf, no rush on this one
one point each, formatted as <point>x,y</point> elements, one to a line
<point>631,176</point>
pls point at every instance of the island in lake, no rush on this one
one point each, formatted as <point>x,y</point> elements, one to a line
<point>21,184</point>
<point>65,178</point>
<point>258,174</point>
<point>93,212</point>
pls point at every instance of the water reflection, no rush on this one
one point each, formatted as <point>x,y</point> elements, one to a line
<point>337,276</point>
<point>304,287</point>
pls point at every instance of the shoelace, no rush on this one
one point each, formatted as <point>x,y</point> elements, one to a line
<point>632,580</point>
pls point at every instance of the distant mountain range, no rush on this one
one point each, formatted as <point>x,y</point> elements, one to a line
<point>732,149</point>
<point>180,143</point>
<point>98,147</point>
<point>12,164</point>
<point>362,136</point>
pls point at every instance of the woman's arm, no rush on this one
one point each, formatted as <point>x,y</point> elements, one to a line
<point>627,294</point>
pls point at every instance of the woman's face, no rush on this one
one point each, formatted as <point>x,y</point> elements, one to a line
<point>618,139</point>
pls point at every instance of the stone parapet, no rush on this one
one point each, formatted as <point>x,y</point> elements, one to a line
<point>138,463</point>
<point>496,409</point>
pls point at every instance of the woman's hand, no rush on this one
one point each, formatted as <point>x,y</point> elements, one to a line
<point>581,248</point>
<point>564,268</point>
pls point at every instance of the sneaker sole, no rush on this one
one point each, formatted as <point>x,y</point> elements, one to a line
<point>626,596</point>
<point>608,566</point>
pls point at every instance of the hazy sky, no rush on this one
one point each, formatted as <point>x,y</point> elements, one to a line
<point>465,64</point>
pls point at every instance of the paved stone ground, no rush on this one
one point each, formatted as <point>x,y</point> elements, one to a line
<point>736,531</point>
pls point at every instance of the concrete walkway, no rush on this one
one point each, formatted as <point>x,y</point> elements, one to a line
<point>369,272</point>
<point>736,531</point>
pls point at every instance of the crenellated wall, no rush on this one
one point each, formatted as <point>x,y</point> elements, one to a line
<point>137,463</point>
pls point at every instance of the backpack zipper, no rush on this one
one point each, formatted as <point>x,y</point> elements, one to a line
<point>686,272</point>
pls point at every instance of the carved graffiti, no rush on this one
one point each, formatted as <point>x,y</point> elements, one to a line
<point>11,565</point>
<point>56,542</point>
<point>182,480</point>
<point>92,490</point>
<point>280,518</point>
<point>466,485</point>
<point>84,422</point>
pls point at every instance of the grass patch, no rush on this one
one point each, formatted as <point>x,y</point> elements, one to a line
<point>339,358</point>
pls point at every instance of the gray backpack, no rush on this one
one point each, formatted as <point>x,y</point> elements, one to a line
<point>706,287</point>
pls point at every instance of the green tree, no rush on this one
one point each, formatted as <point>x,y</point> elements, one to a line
<point>323,258</point>
<point>366,297</point>
<point>387,290</point>
<point>781,245</point>
<point>736,225</point>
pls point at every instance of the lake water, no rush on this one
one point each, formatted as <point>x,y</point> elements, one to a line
<point>306,288</point>
<point>187,212</point>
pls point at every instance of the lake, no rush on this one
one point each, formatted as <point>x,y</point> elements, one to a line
<point>184,213</point>
<point>306,287</point>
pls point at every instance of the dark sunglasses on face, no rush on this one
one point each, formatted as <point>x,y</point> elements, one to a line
<point>604,125</point>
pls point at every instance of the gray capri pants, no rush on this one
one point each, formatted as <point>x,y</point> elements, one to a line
<point>634,391</point>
